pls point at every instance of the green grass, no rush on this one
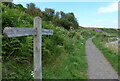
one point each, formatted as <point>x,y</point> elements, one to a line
<point>63,55</point>
<point>67,58</point>
<point>17,69</point>
<point>70,65</point>
<point>110,55</point>
<point>113,32</point>
<point>0,68</point>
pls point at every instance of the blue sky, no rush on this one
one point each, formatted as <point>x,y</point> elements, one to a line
<point>97,14</point>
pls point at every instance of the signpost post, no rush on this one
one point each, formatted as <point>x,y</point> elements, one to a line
<point>37,32</point>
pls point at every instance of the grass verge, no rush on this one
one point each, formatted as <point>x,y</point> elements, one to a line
<point>111,56</point>
<point>63,56</point>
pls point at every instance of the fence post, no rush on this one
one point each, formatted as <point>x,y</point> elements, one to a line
<point>37,49</point>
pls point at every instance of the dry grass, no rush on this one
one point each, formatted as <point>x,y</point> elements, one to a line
<point>112,46</point>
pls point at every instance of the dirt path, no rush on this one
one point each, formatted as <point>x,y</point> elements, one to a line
<point>98,66</point>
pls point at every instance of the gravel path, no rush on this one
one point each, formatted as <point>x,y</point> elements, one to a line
<point>98,66</point>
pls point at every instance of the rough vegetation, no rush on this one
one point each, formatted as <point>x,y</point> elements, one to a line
<point>63,53</point>
<point>110,53</point>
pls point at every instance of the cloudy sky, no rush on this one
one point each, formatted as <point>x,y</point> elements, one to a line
<point>96,14</point>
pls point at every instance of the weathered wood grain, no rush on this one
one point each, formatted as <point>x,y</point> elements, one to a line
<point>37,32</point>
<point>47,32</point>
<point>37,49</point>
<point>17,32</point>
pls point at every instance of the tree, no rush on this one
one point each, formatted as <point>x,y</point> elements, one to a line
<point>46,17</point>
<point>62,14</point>
<point>50,11</point>
<point>65,20</point>
<point>8,4</point>
<point>65,23</point>
<point>71,18</point>
<point>32,10</point>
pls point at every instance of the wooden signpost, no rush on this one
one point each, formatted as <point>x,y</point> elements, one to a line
<point>37,32</point>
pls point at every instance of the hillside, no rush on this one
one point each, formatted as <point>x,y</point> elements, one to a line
<point>111,31</point>
<point>63,53</point>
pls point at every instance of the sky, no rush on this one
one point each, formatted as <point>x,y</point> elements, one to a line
<point>88,14</point>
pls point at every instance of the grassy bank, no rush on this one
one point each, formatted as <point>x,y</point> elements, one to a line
<point>63,55</point>
<point>111,56</point>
